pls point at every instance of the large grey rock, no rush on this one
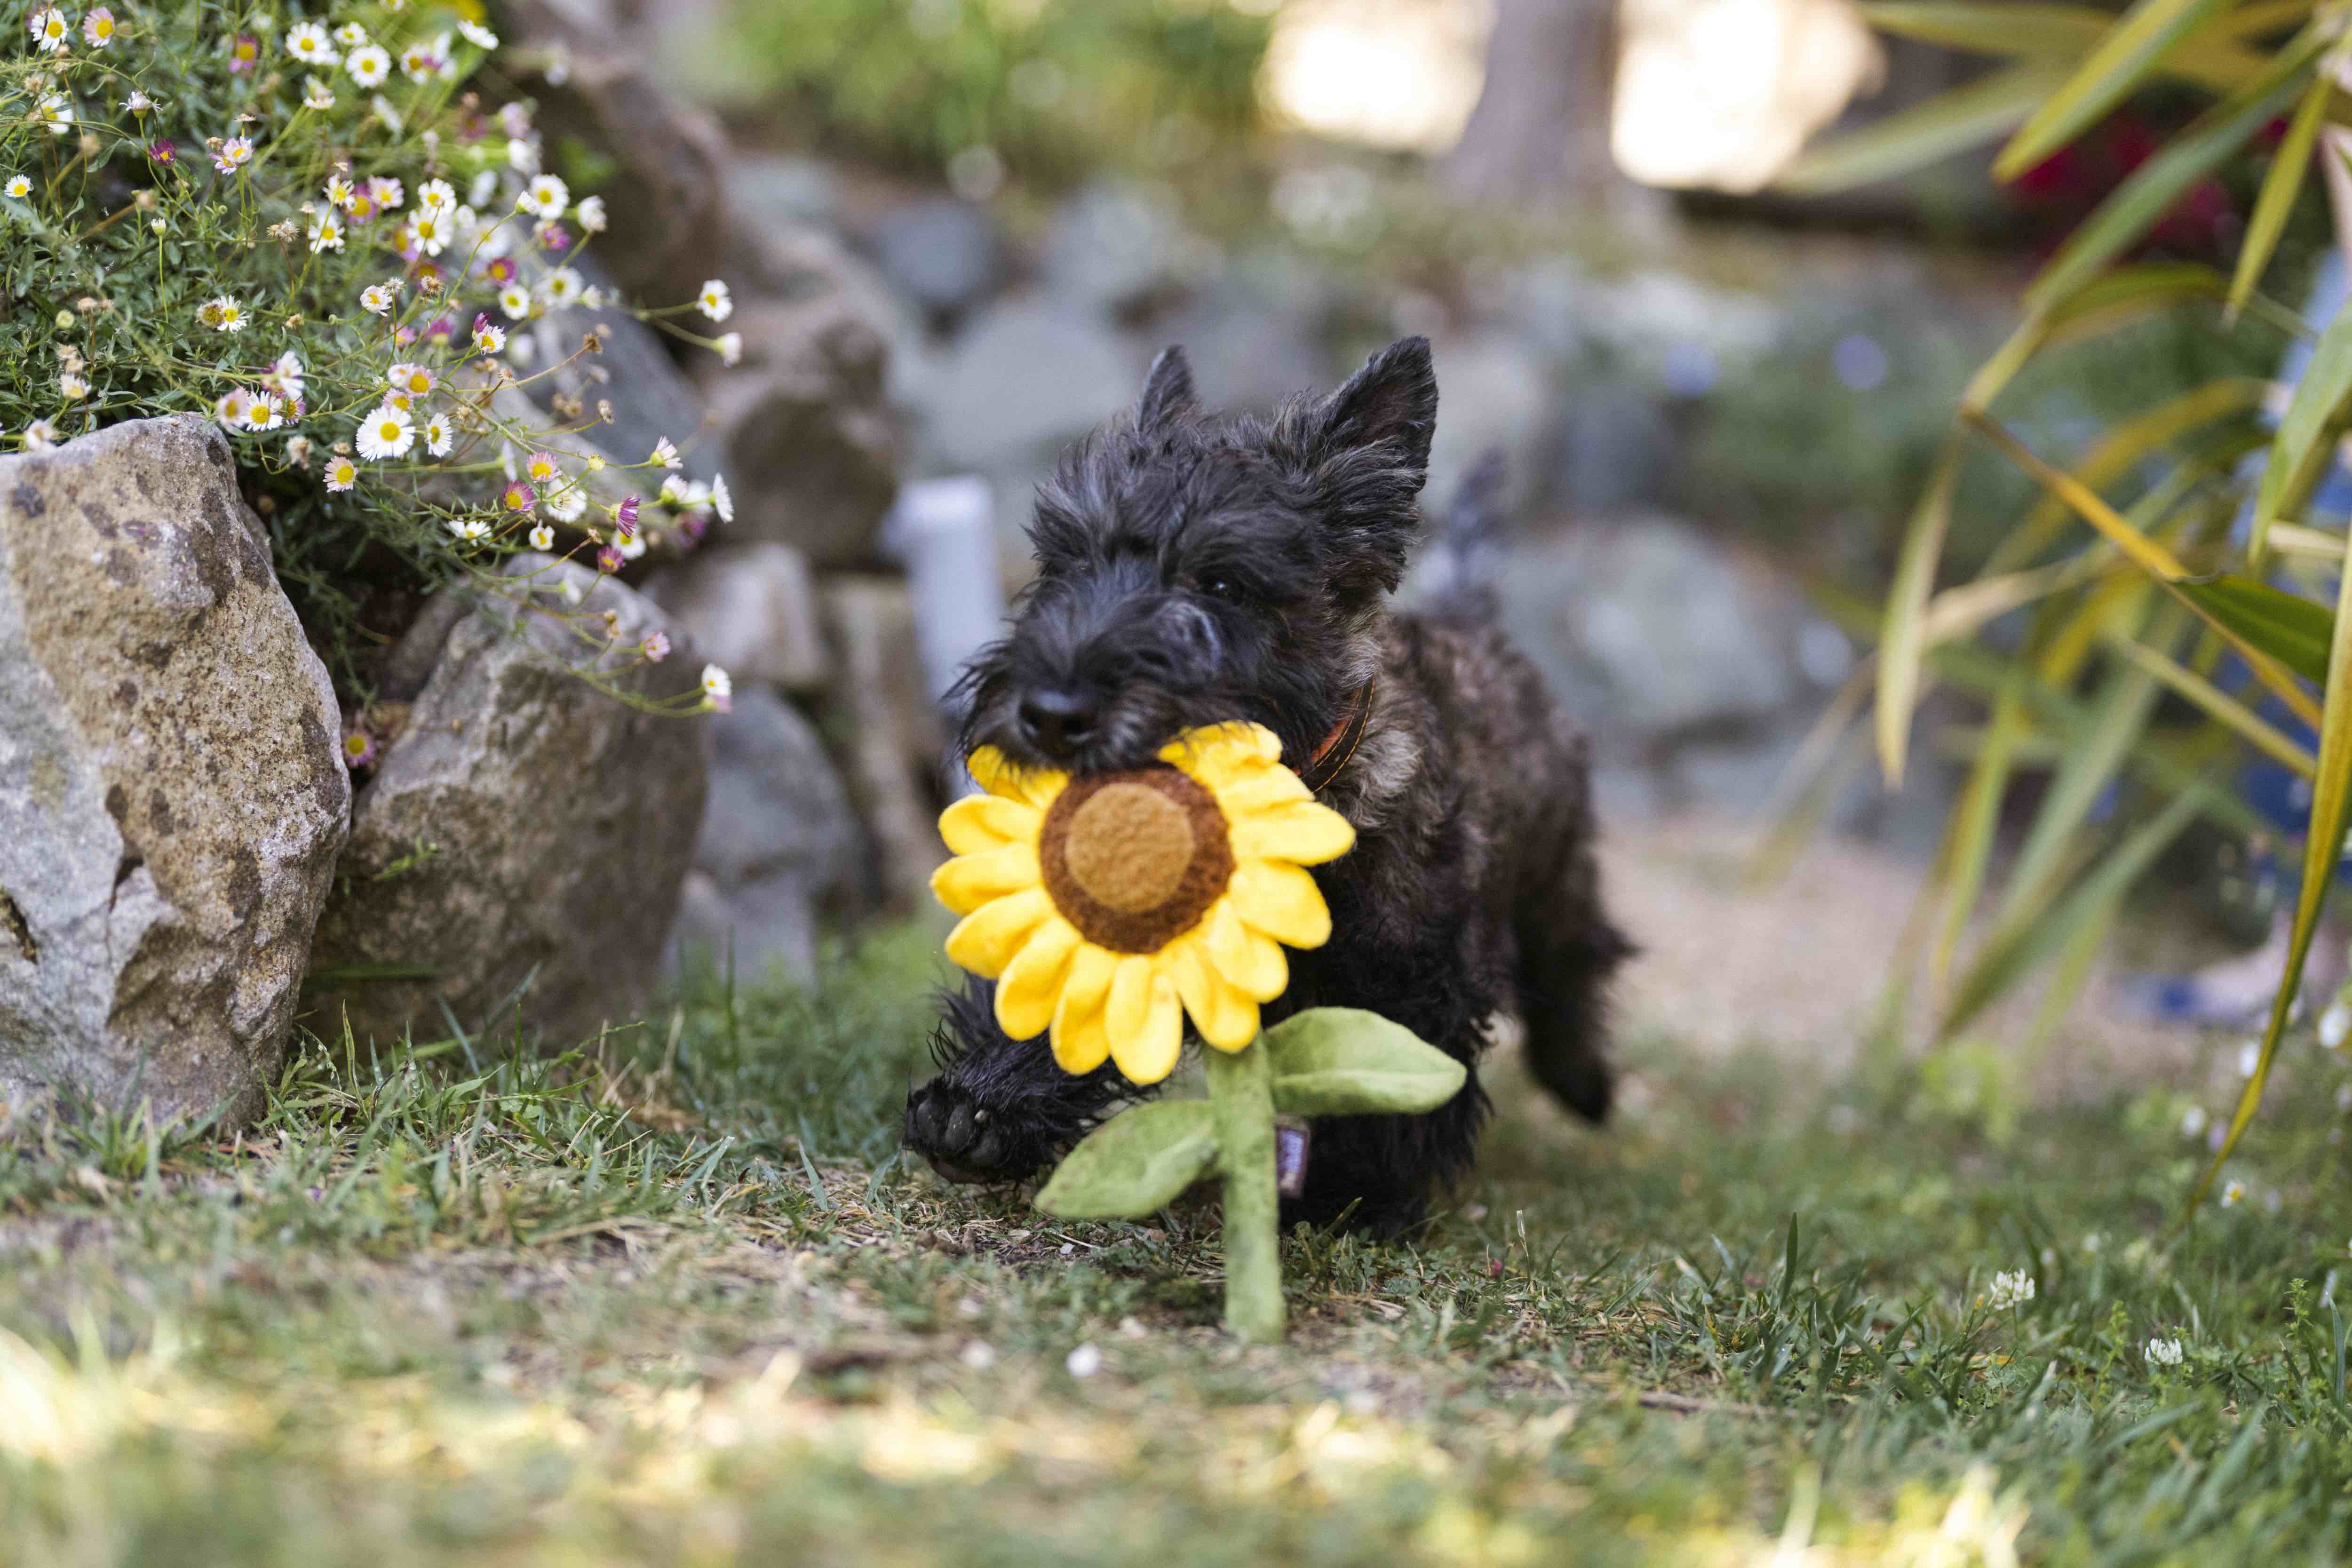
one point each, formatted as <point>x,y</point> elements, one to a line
<point>810,449</point>
<point>1116,244</point>
<point>750,609</point>
<point>778,842</point>
<point>940,252</point>
<point>523,826</point>
<point>890,738</point>
<point>1650,631</point>
<point>1026,378</point>
<point>171,796</point>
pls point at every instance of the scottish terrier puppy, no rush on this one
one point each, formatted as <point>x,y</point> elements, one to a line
<point>1194,569</point>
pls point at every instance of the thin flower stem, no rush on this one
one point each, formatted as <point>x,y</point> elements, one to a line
<point>1241,1087</point>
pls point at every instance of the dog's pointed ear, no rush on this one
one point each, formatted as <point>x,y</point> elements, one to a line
<point>1393,399</point>
<point>1167,390</point>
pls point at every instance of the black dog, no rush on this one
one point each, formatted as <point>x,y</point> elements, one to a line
<point>1193,569</point>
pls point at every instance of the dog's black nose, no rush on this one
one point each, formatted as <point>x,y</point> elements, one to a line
<point>1058,722</point>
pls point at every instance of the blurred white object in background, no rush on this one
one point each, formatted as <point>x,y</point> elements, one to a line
<point>944,533</point>
<point>1723,93</point>
<point>1402,74</point>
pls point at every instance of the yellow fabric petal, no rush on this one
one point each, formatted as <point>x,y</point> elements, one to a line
<point>1145,1019</point>
<point>968,881</point>
<point>1259,787</point>
<point>1226,1019</point>
<point>1080,1041</point>
<point>1221,752</point>
<point>979,823</point>
<point>985,941</point>
<point>1253,964</point>
<point>1281,901</point>
<point>1305,833</point>
<point>991,771</point>
<point>1032,982</point>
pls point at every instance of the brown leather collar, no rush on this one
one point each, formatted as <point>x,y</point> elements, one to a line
<point>1331,752</point>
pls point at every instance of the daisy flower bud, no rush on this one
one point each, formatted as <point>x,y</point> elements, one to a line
<point>592,214</point>
<point>665,453</point>
<point>718,690</point>
<point>730,348</point>
<point>625,514</point>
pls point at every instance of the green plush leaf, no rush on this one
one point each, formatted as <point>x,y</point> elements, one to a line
<point>1135,1163</point>
<point>1344,1061</point>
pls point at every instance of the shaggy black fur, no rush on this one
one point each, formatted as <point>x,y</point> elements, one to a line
<point>1193,569</point>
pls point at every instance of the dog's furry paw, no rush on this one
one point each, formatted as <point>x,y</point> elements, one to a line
<point>963,1140</point>
<point>999,1108</point>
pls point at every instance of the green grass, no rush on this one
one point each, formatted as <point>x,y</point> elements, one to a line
<point>674,1300</point>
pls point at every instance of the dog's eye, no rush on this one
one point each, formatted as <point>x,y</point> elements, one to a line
<point>1223,588</point>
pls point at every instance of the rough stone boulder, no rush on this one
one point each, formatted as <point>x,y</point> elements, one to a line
<point>171,794</point>
<point>524,832</point>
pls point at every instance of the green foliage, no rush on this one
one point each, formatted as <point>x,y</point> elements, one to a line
<point>321,240</point>
<point>2158,488</point>
<point>1052,87</point>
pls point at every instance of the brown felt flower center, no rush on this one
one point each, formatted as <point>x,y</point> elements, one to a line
<point>1135,859</point>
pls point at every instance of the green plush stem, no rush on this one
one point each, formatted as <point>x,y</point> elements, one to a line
<point>1241,1087</point>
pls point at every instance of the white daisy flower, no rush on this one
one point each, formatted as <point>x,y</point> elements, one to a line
<point>378,299</point>
<point>439,434</point>
<point>234,408</point>
<point>327,233</point>
<point>339,190</point>
<point>565,501</point>
<point>730,348</point>
<point>428,232</point>
<point>522,155</point>
<point>436,196</point>
<point>542,538</point>
<point>386,433</point>
<point>720,500</point>
<point>485,186</point>
<point>368,64</point>
<point>308,42</point>
<point>665,453</point>
<point>546,196</point>
<point>316,94</point>
<point>51,32</point>
<point>592,214</point>
<point>481,38</point>
<point>235,154</point>
<point>18,187</point>
<point>561,287</point>
<point>717,689</point>
<point>341,473</point>
<point>469,529</point>
<point>675,490</point>
<point>222,314</point>
<point>269,412</point>
<point>97,28</point>
<point>515,300</point>
<point>714,300</point>
<point>289,373</point>
<point>350,35</point>
<point>41,436</point>
<point>417,62</point>
<point>138,102</point>
<point>631,545</point>
<point>2163,1352</point>
<point>57,112</point>
<point>2233,1194</point>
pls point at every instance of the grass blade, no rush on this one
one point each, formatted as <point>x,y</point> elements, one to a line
<point>2304,444</point>
<point>2323,847</point>
<point>2123,61</point>
<point>1952,122</point>
<point>2223,707</point>
<point>2292,629</point>
<point>2281,185</point>
<point>2153,559</point>
<point>2135,207</point>
<point>1902,642</point>
<point>2035,934</point>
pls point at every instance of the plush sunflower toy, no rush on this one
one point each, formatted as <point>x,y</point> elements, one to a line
<point>1110,907</point>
